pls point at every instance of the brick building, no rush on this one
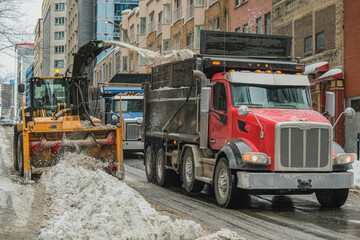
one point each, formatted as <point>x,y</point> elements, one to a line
<point>250,16</point>
<point>351,66</point>
<point>316,28</point>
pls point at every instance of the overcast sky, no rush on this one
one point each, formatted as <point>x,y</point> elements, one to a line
<point>31,10</point>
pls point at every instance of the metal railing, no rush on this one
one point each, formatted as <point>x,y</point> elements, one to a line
<point>190,12</point>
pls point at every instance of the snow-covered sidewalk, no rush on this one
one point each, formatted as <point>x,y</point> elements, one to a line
<point>87,203</point>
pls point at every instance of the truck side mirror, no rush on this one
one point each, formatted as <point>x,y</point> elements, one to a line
<point>330,104</point>
<point>243,111</point>
<point>21,87</point>
<point>349,113</point>
<point>205,99</point>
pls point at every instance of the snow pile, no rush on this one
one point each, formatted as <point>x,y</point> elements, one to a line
<point>87,203</point>
<point>356,171</point>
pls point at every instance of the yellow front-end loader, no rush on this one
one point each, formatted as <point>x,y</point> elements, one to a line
<point>56,120</point>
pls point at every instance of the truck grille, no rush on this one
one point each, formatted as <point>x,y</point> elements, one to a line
<point>304,146</point>
<point>133,131</point>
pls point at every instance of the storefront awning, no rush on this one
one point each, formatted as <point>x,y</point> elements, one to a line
<point>335,73</point>
<point>316,67</point>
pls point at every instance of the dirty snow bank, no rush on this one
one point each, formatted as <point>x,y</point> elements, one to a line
<point>87,203</point>
<point>356,171</point>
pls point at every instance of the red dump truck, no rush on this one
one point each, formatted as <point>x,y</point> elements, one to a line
<point>238,117</point>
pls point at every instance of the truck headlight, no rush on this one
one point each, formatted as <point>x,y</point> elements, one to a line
<point>257,158</point>
<point>114,118</point>
<point>344,158</point>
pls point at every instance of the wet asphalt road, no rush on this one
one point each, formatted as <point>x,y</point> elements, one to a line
<point>262,217</point>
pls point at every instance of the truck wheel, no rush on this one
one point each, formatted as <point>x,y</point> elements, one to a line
<point>332,197</point>
<point>20,154</point>
<point>15,150</point>
<point>150,164</point>
<point>188,173</point>
<point>163,176</point>
<point>226,193</point>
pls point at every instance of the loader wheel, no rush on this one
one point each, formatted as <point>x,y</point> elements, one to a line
<point>226,193</point>
<point>15,150</point>
<point>188,173</point>
<point>332,197</point>
<point>20,154</point>
<point>150,164</point>
<point>163,175</point>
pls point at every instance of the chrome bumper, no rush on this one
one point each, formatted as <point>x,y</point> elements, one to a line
<point>294,181</point>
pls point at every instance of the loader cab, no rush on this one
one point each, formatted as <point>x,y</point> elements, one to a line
<point>46,93</point>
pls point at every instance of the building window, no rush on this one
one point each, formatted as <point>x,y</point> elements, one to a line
<point>199,3</point>
<point>166,15</point>
<point>159,27</point>
<point>177,42</point>
<point>110,69</point>
<point>59,35</point>
<point>211,2</point>
<point>198,34</point>
<point>151,22</point>
<point>143,25</point>
<point>166,45</point>
<point>59,6</point>
<point>125,36</point>
<point>190,41</point>
<point>320,41</point>
<point>237,3</point>
<point>131,62</point>
<point>117,62</point>
<point>59,63</point>
<point>141,60</point>
<point>308,45</point>
<point>268,23</point>
<point>259,25</point>
<point>124,63</point>
<point>132,33</point>
<point>104,72</point>
<point>245,28</point>
<point>190,9</point>
<point>59,49</point>
<point>214,24</point>
<point>238,29</point>
<point>60,21</point>
<point>177,10</point>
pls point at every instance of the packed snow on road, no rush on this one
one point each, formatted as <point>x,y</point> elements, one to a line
<point>84,202</point>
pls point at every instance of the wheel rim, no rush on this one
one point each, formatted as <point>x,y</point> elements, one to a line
<point>188,169</point>
<point>223,183</point>
<point>160,164</point>
<point>148,162</point>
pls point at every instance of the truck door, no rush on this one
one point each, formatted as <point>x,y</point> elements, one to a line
<point>218,117</point>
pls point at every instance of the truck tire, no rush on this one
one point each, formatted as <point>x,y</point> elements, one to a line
<point>163,175</point>
<point>332,197</point>
<point>149,160</point>
<point>15,150</point>
<point>188,173</point>
<point>20,154</point>
<point>226,193</point>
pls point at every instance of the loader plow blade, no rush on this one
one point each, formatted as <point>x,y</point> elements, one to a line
<point>47,148</point>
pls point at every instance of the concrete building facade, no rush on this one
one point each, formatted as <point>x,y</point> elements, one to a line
<point>54,40</point>
<point>38,54</point>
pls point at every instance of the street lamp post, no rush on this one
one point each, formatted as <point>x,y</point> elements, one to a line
<point>115,24</point>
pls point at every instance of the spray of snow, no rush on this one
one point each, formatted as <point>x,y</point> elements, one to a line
<point>155,56</point>
<point>87,203</point>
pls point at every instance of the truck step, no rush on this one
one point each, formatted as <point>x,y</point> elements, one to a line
<point>205,179</point>
<point>210,161</point>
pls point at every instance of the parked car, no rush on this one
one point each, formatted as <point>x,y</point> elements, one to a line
<point>6,121</point>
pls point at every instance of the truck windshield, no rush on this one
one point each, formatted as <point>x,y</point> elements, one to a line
<point>47,93</point>
<point>128,105</point>
<point>265,96</point>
